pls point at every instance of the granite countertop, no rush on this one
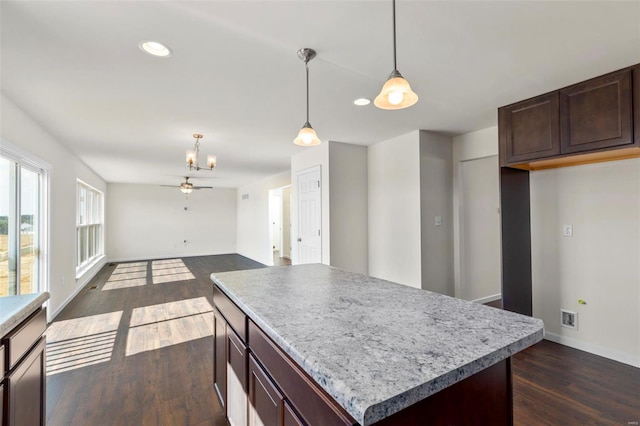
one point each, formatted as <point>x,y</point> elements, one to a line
<point>377,347</point>
<point>14,309</point>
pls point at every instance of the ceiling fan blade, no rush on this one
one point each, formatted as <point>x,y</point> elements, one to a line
<point>171,186</point>
<point>202,187</point>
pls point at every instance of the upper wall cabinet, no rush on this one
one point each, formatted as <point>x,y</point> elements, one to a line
<point>587,122</point>
<point>531,129</point>
<point>596,114</point>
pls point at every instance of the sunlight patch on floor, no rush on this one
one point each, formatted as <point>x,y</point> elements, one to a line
<point>170,270</point>
<point>127,275</point>
<point>166,324</point>
<point>80,342</point>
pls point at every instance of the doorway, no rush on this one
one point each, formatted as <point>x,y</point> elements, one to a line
<point>480,230</point>
<point>280,225</point>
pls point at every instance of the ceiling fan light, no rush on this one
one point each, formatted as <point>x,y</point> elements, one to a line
<point>186,187</point>
<point>307,136</point>
<point>396,93</point>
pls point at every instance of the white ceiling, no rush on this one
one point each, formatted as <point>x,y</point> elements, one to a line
<point>75,67</point>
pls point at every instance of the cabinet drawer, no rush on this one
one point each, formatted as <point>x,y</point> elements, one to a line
<point>234,316</point>
<point>22,338</point>
<point>313,403</point>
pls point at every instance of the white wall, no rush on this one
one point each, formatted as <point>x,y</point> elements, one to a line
<point>600,263</point>
<point>436,186</point>
<point>150,222</point>
<point>469,147</point>
<point>307,158</point>
<point>286,221</point>
<point>394,210</point>
<point>20,130</point>
<point>253,228</point>
<point>348,207</point>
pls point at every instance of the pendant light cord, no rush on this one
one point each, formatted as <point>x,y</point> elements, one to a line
<point>395,66</point>
<point>306,65</point>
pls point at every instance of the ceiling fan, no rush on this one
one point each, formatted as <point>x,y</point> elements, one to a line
<point>186,187</point>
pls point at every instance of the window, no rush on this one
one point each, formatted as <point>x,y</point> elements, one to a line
<point>89,227</point>
<point>23,223</point>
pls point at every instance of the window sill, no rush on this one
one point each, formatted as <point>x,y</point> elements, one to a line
<point>80,271</point>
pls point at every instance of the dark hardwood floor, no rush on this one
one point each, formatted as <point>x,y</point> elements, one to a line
<point>131,352</point>
<point>172,385</point>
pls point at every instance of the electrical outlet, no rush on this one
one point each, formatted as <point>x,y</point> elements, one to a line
<point>569,319</point>
<point>438,221</point>
<point>567,230</point>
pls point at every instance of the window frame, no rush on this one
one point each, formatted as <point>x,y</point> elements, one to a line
<point>27,161</point>
<point>89,227</point>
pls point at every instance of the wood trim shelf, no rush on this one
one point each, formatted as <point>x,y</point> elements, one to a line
<point>577,160</point>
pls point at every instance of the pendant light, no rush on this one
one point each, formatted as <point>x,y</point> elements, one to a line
<point>396,92</point>
<point>307,136</point>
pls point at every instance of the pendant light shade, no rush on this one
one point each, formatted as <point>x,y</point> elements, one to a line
<point>396,92</point>
<point>307,136</point>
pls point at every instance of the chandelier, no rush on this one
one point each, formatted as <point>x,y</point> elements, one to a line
<point>193,156</point>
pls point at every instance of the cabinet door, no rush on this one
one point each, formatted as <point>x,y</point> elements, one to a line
<point>220,358</point>
<point>1,403</point>
<point>530,130</point>
<point>266,402</point>
<point>26,387</point>
<point>291,418</point>
<point>597,114</point>
<point>236,380</point>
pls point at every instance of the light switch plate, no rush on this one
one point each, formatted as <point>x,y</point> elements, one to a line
<point>567,230</point>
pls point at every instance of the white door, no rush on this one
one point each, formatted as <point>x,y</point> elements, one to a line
<point>309,216</point>
<point>480,260</point>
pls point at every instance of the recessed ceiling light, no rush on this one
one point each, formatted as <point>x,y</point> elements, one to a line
<point>154,48</point>
<point>362,102</point>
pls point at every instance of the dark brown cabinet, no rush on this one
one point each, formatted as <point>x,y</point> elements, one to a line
<point>220,358</point>
<point>237,356</point>
<point>596,120</point>
<point>530,129</point>
<point>22,364</point>
<point>26,390</point>
<point>290,416</point>
<point>266,402</point>
<point>596,114</point>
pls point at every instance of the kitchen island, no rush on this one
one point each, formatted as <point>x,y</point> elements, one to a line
<point>290,339</point>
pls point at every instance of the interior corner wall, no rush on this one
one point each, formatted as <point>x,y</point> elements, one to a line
<point>152,222</point>
<point>394,210</point>
<point>348,207</point>
<point>470,146</point>
<point>600,263</point>
<point>436,200</point>
<point>305,159</point>
<point>22,131</point>
<point>253,228</point>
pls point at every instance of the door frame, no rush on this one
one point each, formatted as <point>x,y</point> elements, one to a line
<point>311,169</point>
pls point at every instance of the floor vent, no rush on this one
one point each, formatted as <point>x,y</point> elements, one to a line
<point>112,264</point>
<point>93,287</point>
<point>569,319</point>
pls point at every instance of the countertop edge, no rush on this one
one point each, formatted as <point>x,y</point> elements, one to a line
<point>397,403</point>
<point>19,314</point>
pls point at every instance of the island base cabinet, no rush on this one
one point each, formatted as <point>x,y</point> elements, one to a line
<point>236,380</point>
<point>26,390</point>
<point>482,399</point>
<point>291,418</point>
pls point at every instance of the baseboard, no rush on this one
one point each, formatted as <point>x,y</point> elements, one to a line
<point>161,257</point>
<point>488,299</point>
<point>80,284</point>
<point>623,357</point>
